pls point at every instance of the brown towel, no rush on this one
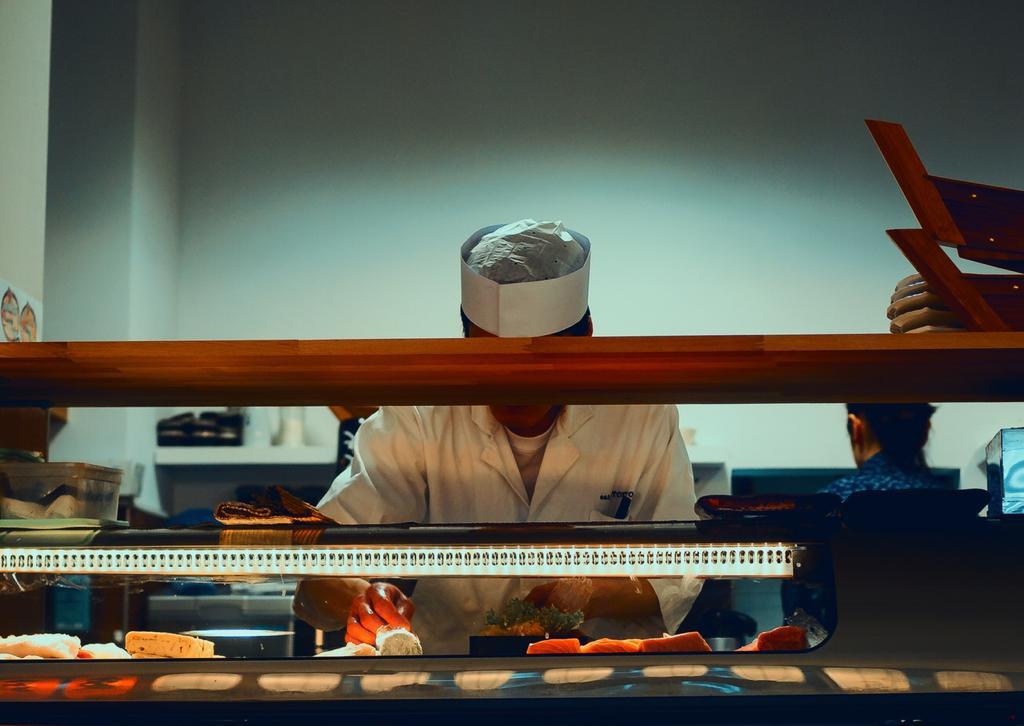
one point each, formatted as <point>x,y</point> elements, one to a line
<point>275,506</point>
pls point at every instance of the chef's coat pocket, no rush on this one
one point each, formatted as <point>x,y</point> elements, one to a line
<point>598,516</point>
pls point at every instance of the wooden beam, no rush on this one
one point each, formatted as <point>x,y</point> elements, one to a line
<point>714,369</point>
<point>912,177</point>
<point>989,218</point>
<point>1006,260</point>
<point>1004,294</point>
<point>946,280</point>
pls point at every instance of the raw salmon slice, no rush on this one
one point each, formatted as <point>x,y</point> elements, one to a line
<point>610,645</point>
<point>554,645</point>
<point>692,642</point>
<point>786,637</point>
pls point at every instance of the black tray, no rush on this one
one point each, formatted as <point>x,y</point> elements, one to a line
<point>503,646</point>
<point>913,508</point>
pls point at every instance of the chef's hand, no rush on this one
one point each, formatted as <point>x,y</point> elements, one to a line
<point>568,594</point>
<point>325,603</point>
<point>381,604</point>
<point>619,598</point>
<point>539,596</point>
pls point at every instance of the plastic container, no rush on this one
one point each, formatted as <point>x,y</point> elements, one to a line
<point>62,490</point>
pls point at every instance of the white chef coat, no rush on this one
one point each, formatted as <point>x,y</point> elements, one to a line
<point>528,451</point>
<point>453,464</point>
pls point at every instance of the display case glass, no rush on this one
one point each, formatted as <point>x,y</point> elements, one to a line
<point>233,579</point>
<point>902,606</point>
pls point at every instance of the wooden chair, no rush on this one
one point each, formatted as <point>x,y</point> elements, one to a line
<point>982,223</point>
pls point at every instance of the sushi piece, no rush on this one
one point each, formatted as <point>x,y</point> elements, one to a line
<point>397,641</point>
<point>692,642</point>
<point>141,643</point>
<point>554,645</point>
<point>108,651</point>
<point>42,645</point>
<point>611,645</point>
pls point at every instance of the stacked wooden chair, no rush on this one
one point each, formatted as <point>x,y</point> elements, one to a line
<point>981,223</point>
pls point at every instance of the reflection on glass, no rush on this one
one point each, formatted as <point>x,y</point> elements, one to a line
<point>99,687</point>
<point>675,671</point>
<point>299,682</point>
<point>775,674</point>
<point>388,681</point>
<point>237,633</point>
<point>482,680</point>
<point>196,682</point>
<point>972,681</point>
<point>562,676</point>
<point>869,679</point>
<point>18,689</point>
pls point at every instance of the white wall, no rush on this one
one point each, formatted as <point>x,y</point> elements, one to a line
<point>24,104</point>
<point>336,154</point>
<point>88,232</point>
<point>154,206</point>
<point>153,277</point>
<point>87,216</point>
<point>112,238</point>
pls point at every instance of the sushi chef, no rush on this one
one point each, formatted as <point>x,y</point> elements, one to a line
<point>528,463</point>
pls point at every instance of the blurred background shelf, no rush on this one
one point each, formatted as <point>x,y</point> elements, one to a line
<point>245,456</point>
<point>710,469</point>
<point>190,477</point>
<point>706,457</point>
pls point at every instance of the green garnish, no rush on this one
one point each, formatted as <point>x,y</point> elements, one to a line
<point>551,619</point>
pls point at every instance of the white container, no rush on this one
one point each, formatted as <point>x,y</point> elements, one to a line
<point>293,426</point>
<point>256,426</point>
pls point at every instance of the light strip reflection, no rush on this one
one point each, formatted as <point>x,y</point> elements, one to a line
<point>482,680</point>
<point>196,682</point>
<point>299,682</point>
<point>565,676</point>
<point>675,671</point>
<point>885,680</point>
<point>972,681</point>
<point>389,681</point>
<point>773,674</point>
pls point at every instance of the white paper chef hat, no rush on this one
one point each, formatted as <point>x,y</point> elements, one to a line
<point>525,279</point>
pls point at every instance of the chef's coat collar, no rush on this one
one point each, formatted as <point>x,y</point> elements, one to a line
<point>561,453</point>
<point>568,423</point>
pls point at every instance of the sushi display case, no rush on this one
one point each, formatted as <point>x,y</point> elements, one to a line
<point>911,610</point>
<point>921,622</point>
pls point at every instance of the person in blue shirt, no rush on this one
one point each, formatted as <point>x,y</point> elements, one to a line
<point>888,441</point>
